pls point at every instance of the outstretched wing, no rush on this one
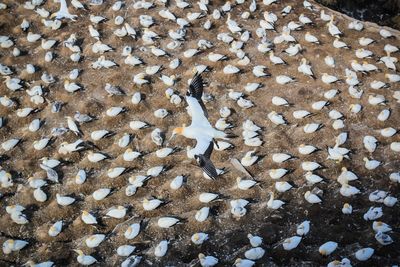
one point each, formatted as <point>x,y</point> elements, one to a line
<point>196,91</point>
<point>196,87</point>
<point>198,116</point>
<point>202,152</point>
<point>207,166</point>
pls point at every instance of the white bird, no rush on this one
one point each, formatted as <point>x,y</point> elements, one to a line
<point>132,231</point>
<point>330,61</point>
<point>371,164</point>
<point>276,118</point>
<point>327,248</point>
<point>291,243</point>
<point>245,184</point>
<point>151,204</point>
<point>283,79</point>
<point>303,228</point>
<point>117,212</point>
<point>125,250</point>
<point>55,229</point>
<point>64,200</point>
<point>199,238</point>
<point>373,213</point>
<point>101,193</point>
<point>364,254</point>
<point>328,79</point>
<point>161,249</point>
<point>88,218</point>
<point>382,227</point>
<point>207,261</point>
<point>347,208</point>
<point>202,214</point>
<point>94,240</point>
<point>312,198</point>
<point>255,241</point>
<point>274,204</point>
<point>254,253</point>
<point>167,222</point>
<point>84,259</point>
<point>305,68</point>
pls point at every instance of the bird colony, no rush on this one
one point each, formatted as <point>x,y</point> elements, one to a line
<point>285,118</point>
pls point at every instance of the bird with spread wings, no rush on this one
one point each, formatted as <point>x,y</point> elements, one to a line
<point>200,129</point>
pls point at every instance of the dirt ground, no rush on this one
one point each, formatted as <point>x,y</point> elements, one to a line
<point>227,235</point>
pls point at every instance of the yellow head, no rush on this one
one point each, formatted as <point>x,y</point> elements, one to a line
<point>178,130</point>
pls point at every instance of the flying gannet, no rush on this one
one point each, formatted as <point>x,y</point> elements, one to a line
<point>200,129</point>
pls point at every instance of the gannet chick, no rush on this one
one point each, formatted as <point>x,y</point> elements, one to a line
<point>312,198</point>
<point>291,243</point>
<point>207,261</point>
<point>303,228</point>
<point>274,204</point>
<point>82,258</point>
<point>199,238</point>
<point>327,248</point>
<point>166,222</point>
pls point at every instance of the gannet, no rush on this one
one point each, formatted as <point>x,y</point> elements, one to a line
<point>291,243</point>
<point>327,248</point>
<point>63,12</point>
<point>200,129</point>
<point>305,68</point>
<point>207,261</point>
